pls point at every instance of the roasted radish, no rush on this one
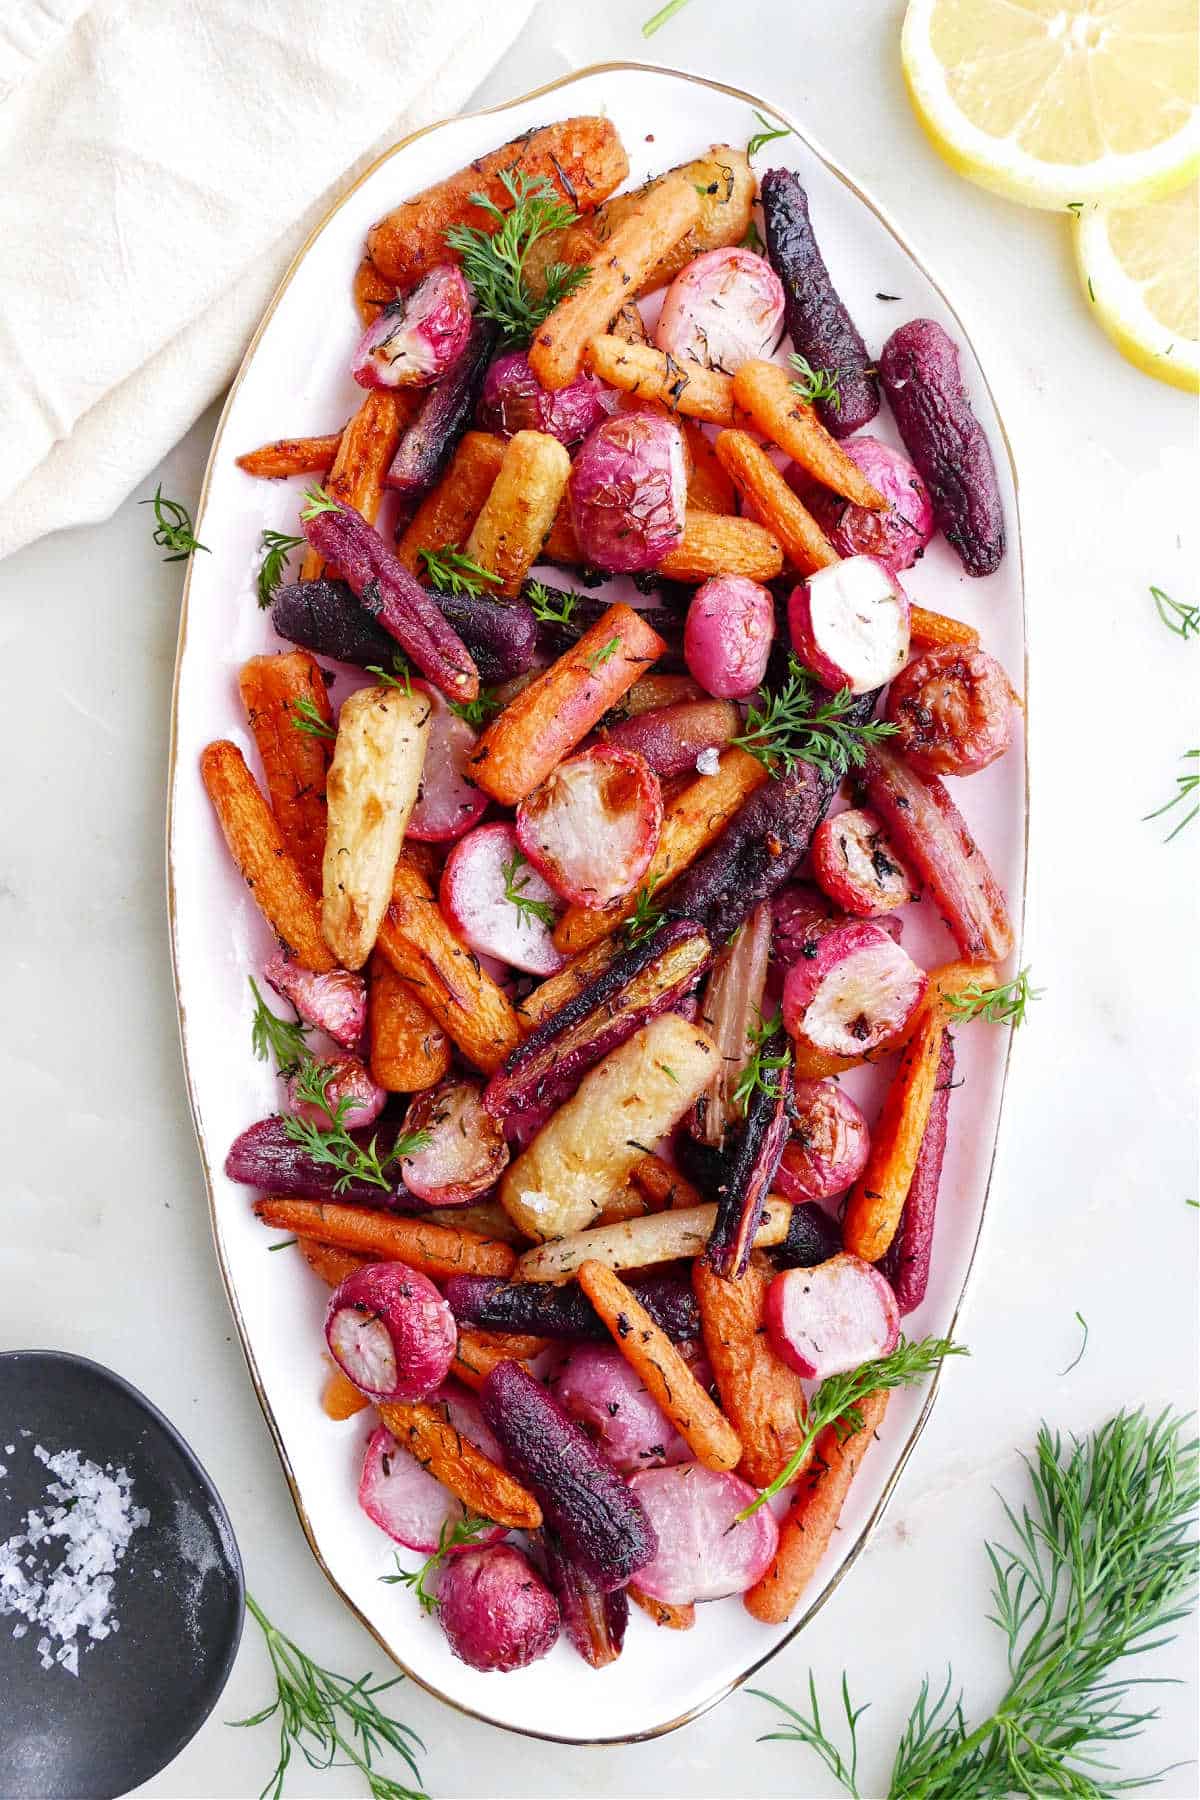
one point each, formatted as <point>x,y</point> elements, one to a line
<point>856,864</point>
<point>513,400</point>
<point>858,990</point>
<point>728,636</point>
<point>628,492</point>
<point>897,536</point>
<point>953,710</point>
<point>828,1146</point>
<point>413,341</point>
<point>335,1003</point>
<point>704,1551</point>
<point>401,1496</point>
<point>592,826</point>
<point>466,1152</point>
<point>850,624</point>
<point>607,1397</point>
<point>496,1611</point>
<point>391,1332</point>
<point>673,738</point>
<point>499,905</point>
<point>447,803</point>
<point>724,309</point>
<point>833,1317</point>
<point>351,1096</point>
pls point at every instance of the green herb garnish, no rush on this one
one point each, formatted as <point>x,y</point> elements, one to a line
<point>467,1530</point>
<point>645,918</point>
<point>1177,615</point>
<point>756,1076</point>
<point>785,728</point>
<point>306,718</point>
<point>333,1147</point>
<point>551,606</point>
<point>400,674</point>
<point>327,1716</point>
<point>514,892</point>
<point>752,241</point>
<point>271,1036</point>
<point>494,261</point>
<point>452,573</point>
<point>767,135</point>
<point>998,1005</point>
<point>480,711</point>
<point>173,528</point>
<point>1078,1358</point>
<point>317,500</point>
<point>277,546</point>
<point>1186,785</point>
<point>604,654</point>
<point>662,16</point>
<point>816,384</point>
<point>283,1244</point>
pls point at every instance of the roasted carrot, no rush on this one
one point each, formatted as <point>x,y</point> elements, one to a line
<point>340,1399</point>
<point>675,1618</point>
<point>561,545</point>
<point>446,515</point>
<point>653,691</point>
<point>507,537</point>
<point>281,694</point>
<point>709,487</point>
<point>756,477</point>
<point>291,456</point>
<point>365,449</point>
<point>812,1518</point>
<point>436,1250</point>
<point>877,1198</point>
<point>546,999</point>
<point>478,1352</point>
<point>627,1203</point>
<point>331,1265</point>
<point>765,391</point>
<point>762,1397</point>
<point>558,709</point>
<point>257,847</point>
<point>725,185</point>
<point>694,820</point>
<point>450,981</point>
<point>715,545</point>
<point>928,629</point>
<point>409,1051</point>
<point>664,1373</point>
<point>371,291</point>
<point>426,1429</point>
<point>688,389</point>
<point>664,1187</point>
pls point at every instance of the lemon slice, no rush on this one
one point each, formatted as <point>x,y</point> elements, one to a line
<point>1140,266</point>
<point>1055,101</point>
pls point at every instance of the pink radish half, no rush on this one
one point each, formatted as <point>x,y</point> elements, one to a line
<point>473,895</point>
<point>335,1003</point>
<point>592,826</point>
<point>391,1332</point>
<point>725,308</point>
<point>447,803</point>
<point>349,1080</point>
<point>829,1145</point>
<point>856,864</point>
<point>608,1398</point>
<point>850,624</point>
<point>466,1152</point>
<point>703,1552</point>
<point>400,1496</point>
<point>831,1318</point>
<point>856,990</point>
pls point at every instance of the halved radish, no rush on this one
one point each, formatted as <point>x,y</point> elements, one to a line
<point>592,826</point>
<point>466,1152</point>
<point>600,1390</point>
<point>856,864</point>
<point>857,989</point>
<point>831,1318</point>
<point>829,1145</point>
<point>391,1332</point>
<point>400,1495</point>
<point>335,1003</point>
<point>447,803</point>
<point>351,1081</point>
<point>499,905</point>
<point>849,624</point>
<point>703,1552</point>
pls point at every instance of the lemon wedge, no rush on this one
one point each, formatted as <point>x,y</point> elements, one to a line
<point>1140,267</point>
<point>1054,101</point>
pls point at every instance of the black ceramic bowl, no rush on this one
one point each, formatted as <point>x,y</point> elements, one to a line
<point>142,1692</point>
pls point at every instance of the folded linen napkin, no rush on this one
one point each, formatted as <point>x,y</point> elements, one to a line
<point>160,163</point>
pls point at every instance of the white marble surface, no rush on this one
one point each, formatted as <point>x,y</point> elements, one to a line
<point>104,1236</point>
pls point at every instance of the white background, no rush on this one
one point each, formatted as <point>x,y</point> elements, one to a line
<point>104,1242</point>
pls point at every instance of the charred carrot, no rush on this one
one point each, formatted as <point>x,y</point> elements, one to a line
<point>766,392</point>
<point>877,1197</point>
<point>409,1051</point>
<point>436,1250</point>
<point>340,1399</point>
<point>664,1187</point>
<point>446,515</point>
<point>478,1352</point>
<point>756,477</point>
<point>283,697</point>
<point>332,1266</point>
<point>762,1397</point>
<point>365,449</point>
<point>426,1429</point>
<point>675,1618</point>
<point>928,629</point>
<point>291,456</point>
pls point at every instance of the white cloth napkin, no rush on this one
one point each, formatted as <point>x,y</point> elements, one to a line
<point>160,162</point>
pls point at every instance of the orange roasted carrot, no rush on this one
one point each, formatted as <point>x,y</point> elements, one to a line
<point>371,291</point>
<point>877,1198</point>
<point>766,392</point>
<point>340,1399</point>
<point>291,456</point>
<point>663,1186</point>
<point>478,1352</point>
<point>688,388</point>
<point>558,709</point>
<point>364,455</point>
<point>436,1250</point>
<point>426,1429</point>
<point>713,544</point>
<point>811,1520</point>
<point>257,847</point>
<point>450,981</point>
<point>709,487</point>
<point>755,476</point>
<point>446,515</point>
<point>666,1376</point>
<point>281,695</point>
<point>561,545</point>
<point>693,820</point>
<point>331,1265</point>
<point>930,628</point>
<point>675,1618</point>
<point>550,995</point>
<point>409,1051</point>
<point>762,1397</point>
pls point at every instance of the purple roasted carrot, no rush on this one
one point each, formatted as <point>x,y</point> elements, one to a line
<point>813,1237</point>
<point>594,1620</point>
<point>324,617</point>
<point>582,612</point>
<point>752,1165</point>
<point>907,1258</point>
<point>672,737</point>
<point>602,1525</point>
<point>392,594</point>
<point>427,445</point>
<point>541,1309</point>
<point>265,1157</point>
<point>502,635</point>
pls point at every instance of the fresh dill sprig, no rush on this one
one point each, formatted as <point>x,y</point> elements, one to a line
<point>604,654</point>
<point>514,891</point>
<point>271,1036</point>
<point>816,384</point>
<point>467,1530</point>
<point>811,1731</point>
<point>399,675</point>
<point>1102,1565</point>
<point>662,16</point>
<point>836,1402</point>
<point>551,606</point>
<point>767,135</point>
<point>1185,786</point>
<point>759,1066</point>
<point>277,546</point>
<point>173,527</point>
<point>1004,1005</point>
<point>306,718</point>
<point>785,728</point>
<point>480,711</point>
<point>452,573</point>
<point>316,500</point>
<point>327,1716</point>
<point>333,1147</point>
<point>645,918</point>
<point>494,261</point>
<point>1078,1357</point>
<point>1177,615</point>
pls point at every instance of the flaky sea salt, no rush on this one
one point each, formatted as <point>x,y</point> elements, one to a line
<point>58,1572</point>
<point>708,761</point>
